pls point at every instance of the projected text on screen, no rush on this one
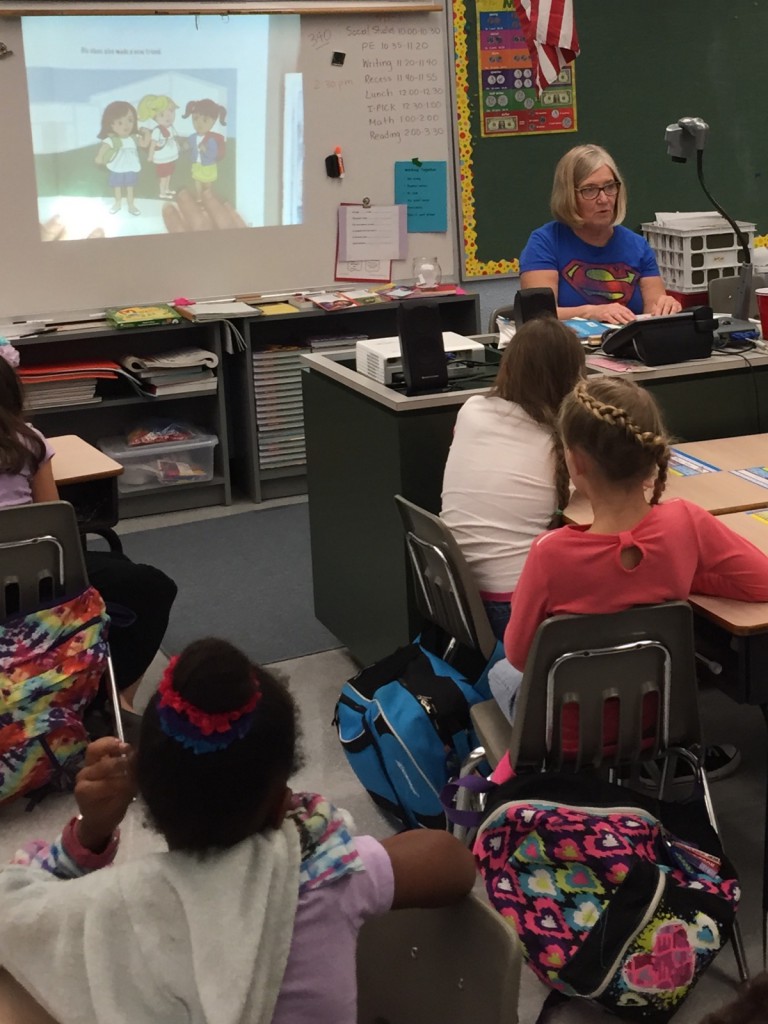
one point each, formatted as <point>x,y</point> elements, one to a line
<point>150,125</point>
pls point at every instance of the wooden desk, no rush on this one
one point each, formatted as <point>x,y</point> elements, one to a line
<point>718,493</point>
<point>87,478</point>
<point>75,461</point>
<point>730,452</point>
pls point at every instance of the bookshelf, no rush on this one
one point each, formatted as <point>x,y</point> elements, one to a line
<point>276,333</point>
<point>120,408</point>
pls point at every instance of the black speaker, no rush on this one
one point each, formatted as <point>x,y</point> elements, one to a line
<point>421,344</point>
<point>533,302</point>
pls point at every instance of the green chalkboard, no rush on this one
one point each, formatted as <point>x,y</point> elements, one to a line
<point>642,66</point>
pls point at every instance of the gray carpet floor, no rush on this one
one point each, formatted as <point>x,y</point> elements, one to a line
<point>244,577</point>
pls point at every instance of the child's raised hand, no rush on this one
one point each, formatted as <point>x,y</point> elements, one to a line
<point>105,787</point>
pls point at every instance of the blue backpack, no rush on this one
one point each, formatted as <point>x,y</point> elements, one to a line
<point>405,728</point>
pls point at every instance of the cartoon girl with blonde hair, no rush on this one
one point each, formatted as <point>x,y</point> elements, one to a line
<point>119,151</point>
<point>207,147</point>
<point>162,140</point>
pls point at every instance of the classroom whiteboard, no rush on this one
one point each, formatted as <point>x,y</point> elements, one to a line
<point>388,101</point>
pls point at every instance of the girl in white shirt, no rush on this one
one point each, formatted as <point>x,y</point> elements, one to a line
<point>505,478</point>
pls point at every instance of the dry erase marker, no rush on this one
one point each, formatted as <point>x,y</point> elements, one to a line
<point>339,161</point>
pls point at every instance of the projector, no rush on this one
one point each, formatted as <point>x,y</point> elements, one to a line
<point>380,358</point>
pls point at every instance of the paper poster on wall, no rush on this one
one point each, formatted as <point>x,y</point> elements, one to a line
<point>363,270</point>
<point>509,103</point>
<point>372,232</point>
<point>421,186</point>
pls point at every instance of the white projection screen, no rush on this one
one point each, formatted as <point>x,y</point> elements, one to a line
<point>150,157</point>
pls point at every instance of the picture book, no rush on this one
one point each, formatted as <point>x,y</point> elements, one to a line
<point>142,316</point>
<point>330,301</point>
<point>588,330</point>
<point>361,296</point>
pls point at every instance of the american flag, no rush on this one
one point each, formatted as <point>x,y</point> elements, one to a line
<point>550,30</point>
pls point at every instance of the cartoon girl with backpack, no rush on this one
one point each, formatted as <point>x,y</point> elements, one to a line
<point>207,147</point>
<point>119,151</point>
<point>163,141</point>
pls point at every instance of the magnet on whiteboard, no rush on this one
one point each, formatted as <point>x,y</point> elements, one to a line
<point>338,58</point>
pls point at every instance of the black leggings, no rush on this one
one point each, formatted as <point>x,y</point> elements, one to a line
<point>143,590</point>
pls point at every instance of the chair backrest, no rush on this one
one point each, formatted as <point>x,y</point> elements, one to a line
<point>722,293</point>
<point>634,669</point>
<point>459,964</point>
<point>446,592</point>
<point>507,312</point>
<point>41,556</point>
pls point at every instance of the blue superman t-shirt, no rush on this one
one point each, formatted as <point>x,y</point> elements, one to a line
<point>592,273</point>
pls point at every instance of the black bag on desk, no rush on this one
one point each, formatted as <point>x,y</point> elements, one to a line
<point>664,339</point>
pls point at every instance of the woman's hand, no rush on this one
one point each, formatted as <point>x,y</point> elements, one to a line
<point>105,787</point>
<point>611,313</point>
<point>665,305</point>
<point>187,214</point>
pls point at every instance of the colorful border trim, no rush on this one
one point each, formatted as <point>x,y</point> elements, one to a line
<point>472,266</point>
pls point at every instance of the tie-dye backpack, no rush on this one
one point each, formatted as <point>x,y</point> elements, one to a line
<point>610,903</point>
<point>51,662</point>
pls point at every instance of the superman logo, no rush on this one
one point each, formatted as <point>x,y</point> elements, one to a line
<point>612,282</point>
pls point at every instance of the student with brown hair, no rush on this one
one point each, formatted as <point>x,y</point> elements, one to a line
<point>505,478</point>
<point>637,550</point>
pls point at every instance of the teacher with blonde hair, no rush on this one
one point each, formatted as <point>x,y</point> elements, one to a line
<point>597,268</point>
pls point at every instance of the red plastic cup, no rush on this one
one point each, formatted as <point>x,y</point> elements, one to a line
<point>762,308</point>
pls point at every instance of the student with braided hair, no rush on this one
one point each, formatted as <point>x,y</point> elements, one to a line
<point>505,478</point>
<point>638,550</point>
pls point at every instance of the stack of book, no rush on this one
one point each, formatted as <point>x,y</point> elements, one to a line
<point>322,343</point>
<point>51,385</point>
<point>174,373</point>
<point>279,409</point>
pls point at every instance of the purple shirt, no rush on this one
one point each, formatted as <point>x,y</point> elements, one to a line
<point>16,488</point>
<point>320,982</point>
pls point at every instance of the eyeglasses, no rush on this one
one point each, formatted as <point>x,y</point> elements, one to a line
<point>593,191</point>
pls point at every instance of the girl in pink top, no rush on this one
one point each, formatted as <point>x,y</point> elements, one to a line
<point>637,551</point>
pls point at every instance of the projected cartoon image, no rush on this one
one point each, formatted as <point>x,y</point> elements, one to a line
<point>143,138</point>
<point>207,147</point>
<point>120,152</point>
<point>163,140</point>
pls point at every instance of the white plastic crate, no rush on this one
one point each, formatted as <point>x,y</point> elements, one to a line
<point>689,258</point>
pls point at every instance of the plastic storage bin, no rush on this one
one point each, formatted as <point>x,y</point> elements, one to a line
<point>147,467</point>
<point>689,258</point>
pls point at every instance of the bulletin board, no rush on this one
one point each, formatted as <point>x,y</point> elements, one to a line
<point>630,83</point>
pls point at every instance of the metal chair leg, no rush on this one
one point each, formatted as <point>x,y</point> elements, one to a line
<point>466,800</point>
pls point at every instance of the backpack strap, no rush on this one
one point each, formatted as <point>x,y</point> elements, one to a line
<point>475,784</point>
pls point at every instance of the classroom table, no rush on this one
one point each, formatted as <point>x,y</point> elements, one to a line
<point>87,478</point>
<point>718,492</point>
<point>367,442</point>
<point>733,635</point>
